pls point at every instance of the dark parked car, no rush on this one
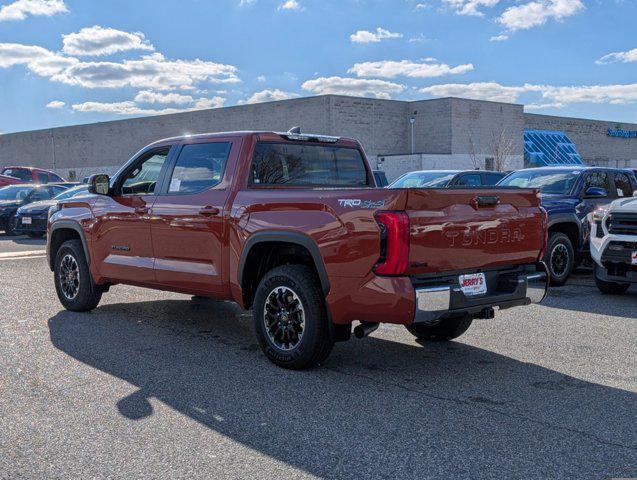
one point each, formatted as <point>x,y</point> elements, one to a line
<point>447,178</point>
<point>380,178</point>
<point>31,219</point>
<point>569,194</point>
<point>15,196</point>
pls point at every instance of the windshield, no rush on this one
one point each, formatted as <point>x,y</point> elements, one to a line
<point>548,181</point>
<point>71,192</point>
<point>424,180</point>
<point>15,192</point>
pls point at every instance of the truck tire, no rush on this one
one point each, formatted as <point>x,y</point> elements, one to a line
<point>73,281</point>
<point>559,258</point>
<point>446,329</point>
<point>610,288</point>
<point>290,318</point>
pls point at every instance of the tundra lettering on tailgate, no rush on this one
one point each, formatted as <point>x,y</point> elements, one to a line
<point>489,236</point>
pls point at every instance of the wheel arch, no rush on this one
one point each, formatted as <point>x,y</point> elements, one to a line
<point>570,227</point>
<point>64,230</point>
<point>257,255</point>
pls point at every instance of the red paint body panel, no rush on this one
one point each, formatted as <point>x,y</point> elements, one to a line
<point>165,241</point>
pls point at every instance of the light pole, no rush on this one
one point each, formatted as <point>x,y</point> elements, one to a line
<point>412,120</point>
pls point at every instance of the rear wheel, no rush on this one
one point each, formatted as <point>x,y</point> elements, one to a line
<point>290,318</point>
<point>610,288</point>
<point>446,329</point>
<point>73,282</point>
<point>560,258</point>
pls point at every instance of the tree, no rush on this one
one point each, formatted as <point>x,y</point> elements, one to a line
<point>501,146</point>
<point>473,155</point>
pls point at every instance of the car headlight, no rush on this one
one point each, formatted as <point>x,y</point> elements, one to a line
<point>599,214</point>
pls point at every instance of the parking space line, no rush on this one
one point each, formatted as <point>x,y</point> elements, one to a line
<point>26,254</point>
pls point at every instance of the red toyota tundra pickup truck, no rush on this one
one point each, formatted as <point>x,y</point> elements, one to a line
<point>291,226</point>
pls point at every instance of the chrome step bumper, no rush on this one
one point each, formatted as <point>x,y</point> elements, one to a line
<point>505,291</point>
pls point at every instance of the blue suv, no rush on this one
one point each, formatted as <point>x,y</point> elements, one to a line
<point>569,194</point>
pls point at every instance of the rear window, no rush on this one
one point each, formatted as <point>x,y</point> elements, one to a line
<point>308,165</point>
<point>21,173</point>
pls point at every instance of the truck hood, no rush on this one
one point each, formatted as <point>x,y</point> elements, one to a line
<point>559,202</point>
<point>625,205</point>
<point>37,207</point>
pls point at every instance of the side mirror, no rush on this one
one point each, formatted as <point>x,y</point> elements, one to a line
<point>595,192</point>
<point>99,184</point>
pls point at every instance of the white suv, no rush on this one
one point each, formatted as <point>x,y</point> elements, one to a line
<point>614,245</point>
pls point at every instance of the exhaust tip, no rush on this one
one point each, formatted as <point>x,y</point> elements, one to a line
<point>364,329</point>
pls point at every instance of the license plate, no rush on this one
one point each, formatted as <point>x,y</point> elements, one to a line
<point>26,220</point>
<point>633,258</point>
<point>473,284</point>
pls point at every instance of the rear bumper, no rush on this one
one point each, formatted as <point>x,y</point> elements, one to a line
<point>506,289</point>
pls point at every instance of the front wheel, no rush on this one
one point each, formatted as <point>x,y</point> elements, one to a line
<point>444,330</point>
<point>609,288</point>
<point>290,318</point>
<point>560,258</point>
<point>73,282</point>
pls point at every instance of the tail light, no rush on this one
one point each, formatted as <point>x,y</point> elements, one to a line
<point>394,243</point>
<point>545,229</point>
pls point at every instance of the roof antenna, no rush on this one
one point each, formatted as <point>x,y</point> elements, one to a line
<point>295,130</point>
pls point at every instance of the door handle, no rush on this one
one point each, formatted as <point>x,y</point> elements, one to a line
<point>485,201</point>
<point>209,211</point>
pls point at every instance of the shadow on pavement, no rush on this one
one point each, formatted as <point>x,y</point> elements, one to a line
<point>377,409</point>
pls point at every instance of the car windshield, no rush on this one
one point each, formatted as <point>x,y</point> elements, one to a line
<point>71,192</point>
<point>15,192</point>
<point>424,180</point>
<point>548,181</point>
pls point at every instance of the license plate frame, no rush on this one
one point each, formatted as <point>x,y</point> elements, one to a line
<point>473,284</point>
<point>27,221</point>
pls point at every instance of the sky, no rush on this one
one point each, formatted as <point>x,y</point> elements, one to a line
<point>67,62</point>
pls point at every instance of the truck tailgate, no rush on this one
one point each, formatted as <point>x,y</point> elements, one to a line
<point>473,229</point>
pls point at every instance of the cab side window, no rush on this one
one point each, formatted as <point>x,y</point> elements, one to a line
<point>42,177</point>
<point>597,180</point>
<point>21,173</point>
<point>143,178</point>
<point>622,185</point>
<point>200,166</point>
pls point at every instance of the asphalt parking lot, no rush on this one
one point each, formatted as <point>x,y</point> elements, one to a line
<point>155,384</point>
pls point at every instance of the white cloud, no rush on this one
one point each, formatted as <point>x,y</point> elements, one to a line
<point>243,3</point>
<point>491,91</point>
<point>364,36</point>
<point>624,57</point>
<point>538,12</point>
<point>499,38</point>
<point>148,96</point>
<point>96,41</point>
<point>20,9</point>
<point>268,95</point>
<point>131,107</point>
<point>549,96</point>
<point>290,5</point>
<point>392,69</point>
<point>613,94</point>
<point>39,60</point>
<point>55,104</point>
<point>471,7</point>
<point>261,78</point>
<point>353,87</point>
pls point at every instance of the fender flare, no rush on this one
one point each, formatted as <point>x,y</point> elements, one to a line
<point>570,218</point>
<point>286,237</point>
<point>69,225</point>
